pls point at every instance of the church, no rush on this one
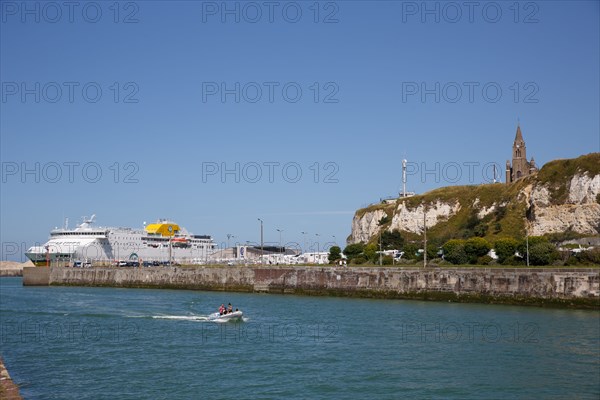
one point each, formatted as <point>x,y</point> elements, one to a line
<point>520,166</point>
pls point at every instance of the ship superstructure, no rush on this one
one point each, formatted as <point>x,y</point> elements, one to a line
<point>161,242</point>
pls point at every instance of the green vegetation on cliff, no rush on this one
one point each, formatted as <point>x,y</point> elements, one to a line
<point>497,213</point>
<point>558,173</point>
<point>505,204</point>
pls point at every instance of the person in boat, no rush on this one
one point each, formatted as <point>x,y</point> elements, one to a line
<point>229,308</point>
<point>222,309</point>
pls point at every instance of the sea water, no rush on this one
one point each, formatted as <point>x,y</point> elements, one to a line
<point>108,343</point>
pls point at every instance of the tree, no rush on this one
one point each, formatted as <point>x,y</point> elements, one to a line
<point>505,248</point>
<point>370,251</point>
<point>432,251</point>
<point>392,240</point>
<point>457,255</point>
<point>353,250</point>
<point>410,251</point>
<point>533,240</point>
<point>542,253</point>
<point>335,253</point>
<point>476,247</point>
<point>454,251</point>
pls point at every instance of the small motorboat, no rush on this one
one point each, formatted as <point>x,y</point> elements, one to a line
<point>232,316</point>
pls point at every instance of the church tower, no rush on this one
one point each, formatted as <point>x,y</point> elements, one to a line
<point>520,167</point>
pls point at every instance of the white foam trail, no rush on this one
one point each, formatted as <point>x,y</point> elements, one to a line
<point>181,317</point>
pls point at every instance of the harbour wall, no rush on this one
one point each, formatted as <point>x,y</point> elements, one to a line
<point>573,287</point>
<point>10,272</point>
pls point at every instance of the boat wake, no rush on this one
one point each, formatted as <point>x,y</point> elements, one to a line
<point>193,318</point>
<point>181,317</point>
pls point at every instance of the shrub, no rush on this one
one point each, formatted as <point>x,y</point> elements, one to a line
<point>572,260</point>
<point>387,260</point>
<point>472,221</point>
<point>384,220</point>
<point>562,236</point>
<point>359,260</point>
<point>480,230</point>
<point>500,213</point>
<point>497,228</point>
<point>513,260</point>
<point>484,260</point>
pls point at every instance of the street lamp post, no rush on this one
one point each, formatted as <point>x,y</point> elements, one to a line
<point>280,248</point>
<point>304,233</point>
<point>424,236</point>
<point>317,253</point>
<point>279,230</point>
<point>380,250</point>
<point>527,244</point>
<point>261,241</point>
<point>229,236</point>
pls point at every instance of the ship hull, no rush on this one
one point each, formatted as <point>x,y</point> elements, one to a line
<point>110,245</point>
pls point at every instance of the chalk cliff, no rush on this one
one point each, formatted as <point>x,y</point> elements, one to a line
<point>563,196</point>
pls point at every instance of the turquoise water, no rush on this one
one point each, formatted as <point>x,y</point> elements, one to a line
<point>104,343</point>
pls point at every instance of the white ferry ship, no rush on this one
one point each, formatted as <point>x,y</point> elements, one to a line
<point>158,243</point>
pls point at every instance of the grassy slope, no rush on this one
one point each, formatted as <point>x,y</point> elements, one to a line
<point>506,221</point>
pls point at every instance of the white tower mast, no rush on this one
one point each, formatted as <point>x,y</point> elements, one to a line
<point>404,178</point>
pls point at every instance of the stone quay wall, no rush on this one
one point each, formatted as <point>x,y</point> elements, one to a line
<point>562,287</point>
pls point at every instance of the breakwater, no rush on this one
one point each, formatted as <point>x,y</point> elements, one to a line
<point>573,287</point>
<point>11,268</point>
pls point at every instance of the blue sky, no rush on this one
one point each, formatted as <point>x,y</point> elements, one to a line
<point>190,88</point>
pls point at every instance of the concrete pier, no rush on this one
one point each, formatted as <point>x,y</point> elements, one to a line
<point>8,389</point>
<point>36,276</point>
<point>562,287</point>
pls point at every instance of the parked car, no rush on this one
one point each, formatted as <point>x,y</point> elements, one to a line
<point>128,263</point>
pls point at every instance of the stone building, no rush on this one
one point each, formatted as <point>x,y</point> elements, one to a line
<point>520,167</point>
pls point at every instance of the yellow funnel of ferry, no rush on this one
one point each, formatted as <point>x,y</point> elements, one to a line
<point>163,228</point>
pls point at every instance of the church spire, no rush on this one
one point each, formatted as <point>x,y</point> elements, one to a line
<point>519,136</point>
